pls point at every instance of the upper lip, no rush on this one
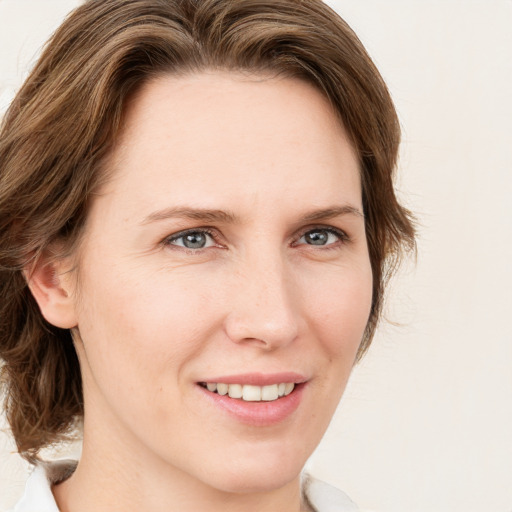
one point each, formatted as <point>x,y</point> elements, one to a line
<point>259,379</point>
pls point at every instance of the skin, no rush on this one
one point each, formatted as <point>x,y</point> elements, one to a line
<point>153,318</point>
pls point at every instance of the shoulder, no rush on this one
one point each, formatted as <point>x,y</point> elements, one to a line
<point>38,495</point>
<point>325,498</point>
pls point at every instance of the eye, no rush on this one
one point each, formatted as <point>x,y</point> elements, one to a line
<point>322,237</point>
<point>192,239</point>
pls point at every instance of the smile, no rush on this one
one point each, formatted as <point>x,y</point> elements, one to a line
<point>250,393</point>
<point>256,399</point>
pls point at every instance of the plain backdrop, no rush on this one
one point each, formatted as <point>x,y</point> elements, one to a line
<point>426,423</point>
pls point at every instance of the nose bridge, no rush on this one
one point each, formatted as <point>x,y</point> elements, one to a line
<point>263,307</point>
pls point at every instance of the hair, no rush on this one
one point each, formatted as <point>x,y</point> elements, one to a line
<point>61,126</point>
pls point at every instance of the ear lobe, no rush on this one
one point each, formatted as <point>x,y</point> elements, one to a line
<point>50,285</point>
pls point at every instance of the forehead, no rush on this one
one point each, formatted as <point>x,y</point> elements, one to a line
<point>230,134</point>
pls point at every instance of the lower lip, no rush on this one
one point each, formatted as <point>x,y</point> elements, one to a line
<point>257,413</point>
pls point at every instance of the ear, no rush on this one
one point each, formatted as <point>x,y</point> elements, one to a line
<point>50,282</point>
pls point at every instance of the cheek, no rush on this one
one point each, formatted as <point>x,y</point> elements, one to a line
<point>143,310</point>
<point>139,329</point>
<point>339,308</point>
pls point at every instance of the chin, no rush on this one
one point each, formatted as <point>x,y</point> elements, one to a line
<point>258,474</point>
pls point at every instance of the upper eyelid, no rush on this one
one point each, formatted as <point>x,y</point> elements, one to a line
<point>184,232</point>
<point>326,227</point>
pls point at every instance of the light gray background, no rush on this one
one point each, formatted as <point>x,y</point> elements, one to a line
<point>426,423</point>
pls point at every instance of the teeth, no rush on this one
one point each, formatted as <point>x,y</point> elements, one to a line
<point>222,389</point>
<point>270,392</point>
<point>235,391</point>
<point>250,393</point>
<point>288,388</point>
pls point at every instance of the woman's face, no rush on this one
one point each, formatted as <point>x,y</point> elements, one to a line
<point>226,254</point>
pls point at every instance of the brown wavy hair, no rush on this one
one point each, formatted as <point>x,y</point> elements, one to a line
<point>59,129</point>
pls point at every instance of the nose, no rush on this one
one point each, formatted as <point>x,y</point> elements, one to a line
<point>263,309</point>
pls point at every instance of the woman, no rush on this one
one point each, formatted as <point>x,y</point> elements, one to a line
<point>197,223</point>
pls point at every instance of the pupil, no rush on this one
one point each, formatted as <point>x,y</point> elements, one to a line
<point>194,240</point>
<point>317,237</point>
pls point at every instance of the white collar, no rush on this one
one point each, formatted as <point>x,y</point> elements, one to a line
<point>323,497</point>
<point>38,496</point>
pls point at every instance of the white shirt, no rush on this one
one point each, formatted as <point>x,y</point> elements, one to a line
<point>38,496</point>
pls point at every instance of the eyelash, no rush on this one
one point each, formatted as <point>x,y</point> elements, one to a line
<point>167,241</point>
<point>342,236</point>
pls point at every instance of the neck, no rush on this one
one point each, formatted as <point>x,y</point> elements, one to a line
<point>111,477</point>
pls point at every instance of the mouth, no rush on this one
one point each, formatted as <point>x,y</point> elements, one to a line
<point>255,399</point>
<point>250,393</point>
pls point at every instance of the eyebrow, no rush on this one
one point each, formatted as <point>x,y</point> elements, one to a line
<point>227,217</point>
<point>202,214</point>
<point>330,213</point>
